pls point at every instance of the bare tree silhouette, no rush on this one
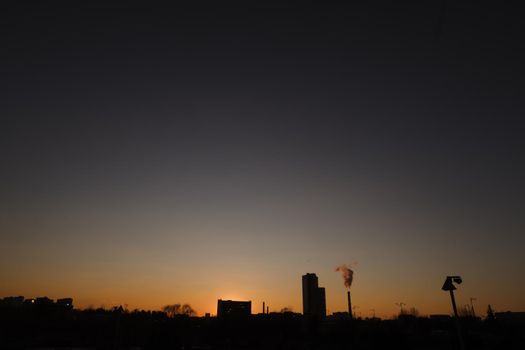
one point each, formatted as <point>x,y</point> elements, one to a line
<point>178,309</point>
<point>413,312</point>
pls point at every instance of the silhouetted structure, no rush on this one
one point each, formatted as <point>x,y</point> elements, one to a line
<point>449,286</point>
<point>40,302</point>
<point>43,301</point>
<point>511,317</point>
<point>12,301</point>
<point>65,303</point>
<point>314,299</point>
<point>231,309</point>
<point>30,326</point>
<point>349,304</point>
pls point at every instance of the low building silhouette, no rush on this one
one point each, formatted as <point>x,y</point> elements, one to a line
<point>511,317</point>
<point>12,301</point>
<point>43,301</point>
<point>339,316</point>
<point>231,309</point>
<point>66,303</point>
<point>39,302</point>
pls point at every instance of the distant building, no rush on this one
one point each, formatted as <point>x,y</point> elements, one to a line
<point>65,303</point>
<point>231,309</point>
<point>340,316</point>
<point>29,302</point>
<point>12,301</point>
<point>511,317</point>
<point>43,301</point>
<point>314,298</point>
<point>20,301</point>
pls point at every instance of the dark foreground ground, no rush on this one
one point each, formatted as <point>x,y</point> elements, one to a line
<point>33,328</point>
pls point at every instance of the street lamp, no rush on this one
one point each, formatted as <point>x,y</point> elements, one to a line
<point>401,304</point>
<point>472,307</point>
<point>449,286</point>
<point>355,307</point>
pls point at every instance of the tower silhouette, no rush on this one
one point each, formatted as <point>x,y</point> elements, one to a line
<point>314,298</point>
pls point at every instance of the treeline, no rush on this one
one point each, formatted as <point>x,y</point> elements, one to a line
<point>41,326</point>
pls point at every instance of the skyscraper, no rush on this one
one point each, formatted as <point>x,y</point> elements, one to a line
<point>314,299</point>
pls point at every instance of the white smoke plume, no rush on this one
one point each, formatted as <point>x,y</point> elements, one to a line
<point>347,274</point>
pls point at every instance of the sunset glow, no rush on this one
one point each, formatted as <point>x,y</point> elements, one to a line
<point>154,157</point>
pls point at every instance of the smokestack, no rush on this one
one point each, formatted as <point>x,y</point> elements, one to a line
<point>349,305</point>
<point>267,309</point>
<point>264,308</point>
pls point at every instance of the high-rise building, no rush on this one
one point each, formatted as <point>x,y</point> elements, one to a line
<point>321,295</point>
<point>314,298</point>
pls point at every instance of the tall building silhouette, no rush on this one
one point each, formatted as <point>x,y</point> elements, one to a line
<point>314,298</point>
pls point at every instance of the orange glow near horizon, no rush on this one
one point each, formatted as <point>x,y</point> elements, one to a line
<point>148,261</point>
<point>366,295</point>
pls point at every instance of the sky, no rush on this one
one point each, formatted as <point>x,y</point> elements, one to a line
<point>155,155</point>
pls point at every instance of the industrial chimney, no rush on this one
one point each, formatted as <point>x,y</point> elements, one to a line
<point>349,305</point>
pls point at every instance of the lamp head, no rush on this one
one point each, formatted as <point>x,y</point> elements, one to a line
<point>449,282</point>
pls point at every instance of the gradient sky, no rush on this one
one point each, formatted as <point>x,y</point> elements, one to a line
<point>162,155</point>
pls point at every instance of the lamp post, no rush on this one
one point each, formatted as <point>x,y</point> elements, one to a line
<point>401,304</point>
<point>449,286</point>
<point>355,314</point>
<point>472,306</point>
